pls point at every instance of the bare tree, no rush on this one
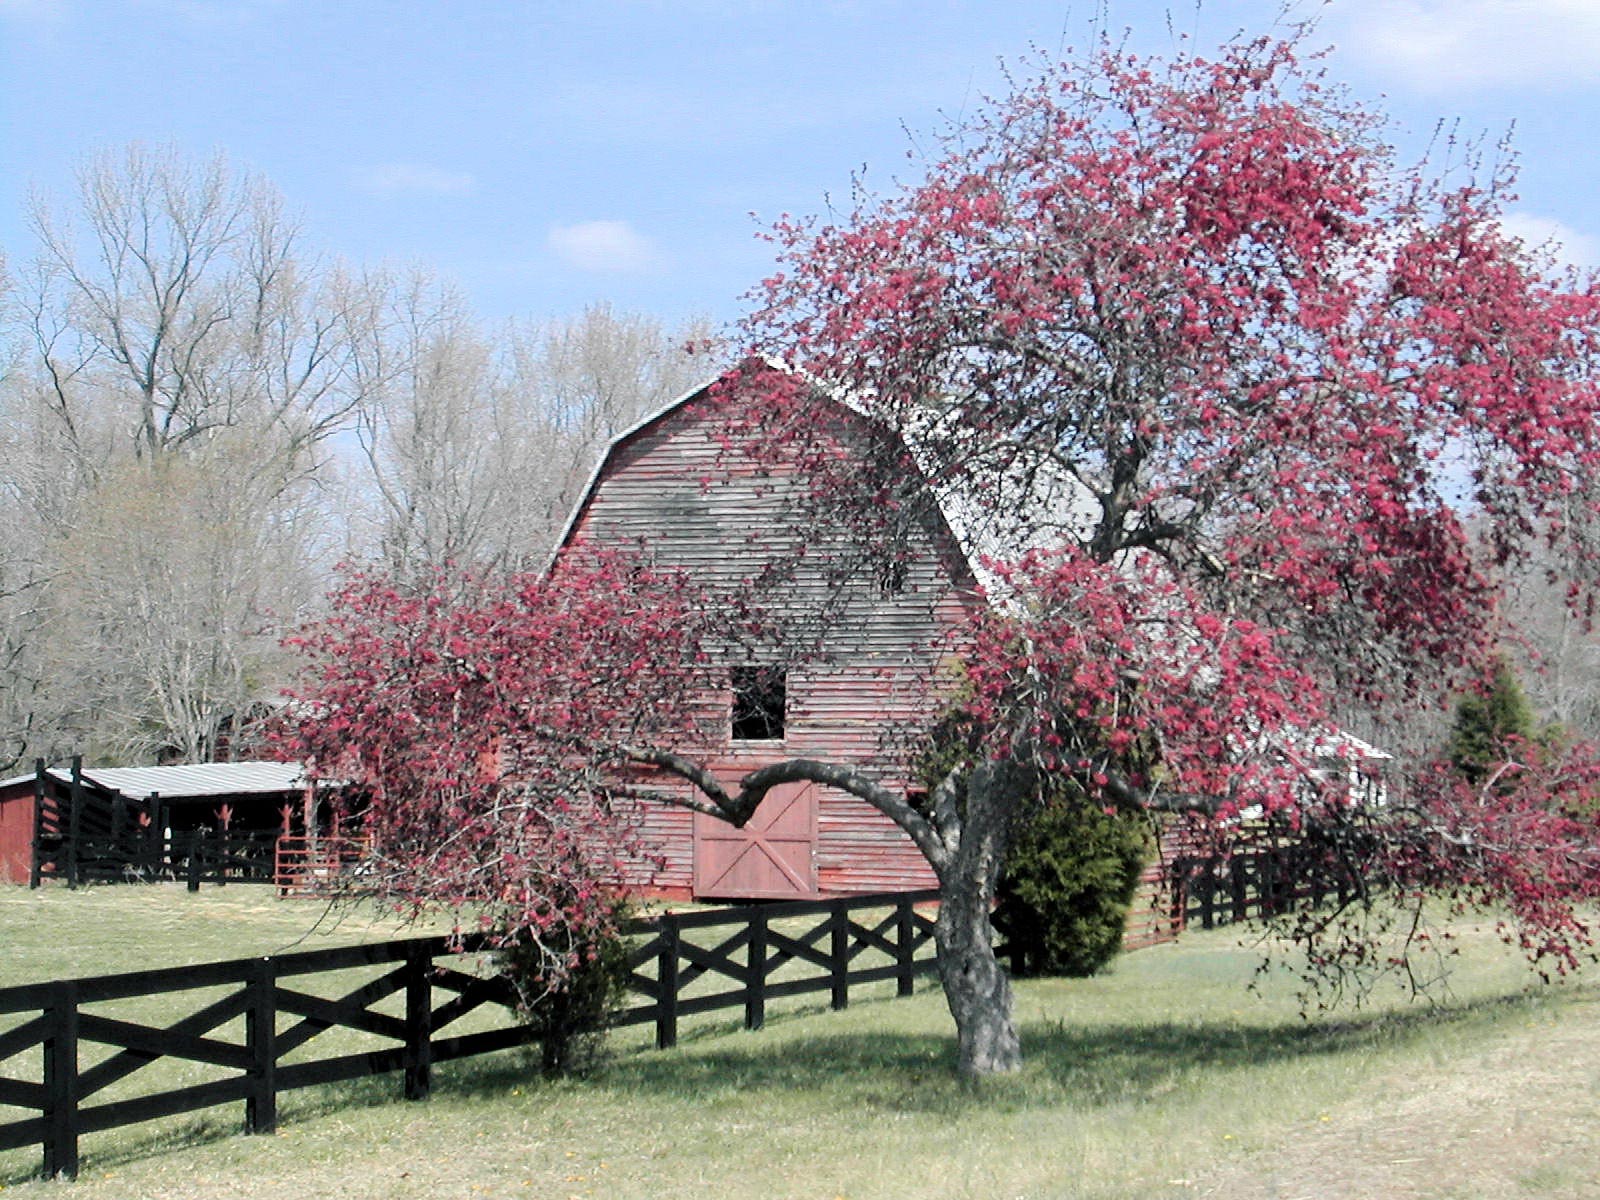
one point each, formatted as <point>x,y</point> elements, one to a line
<point>175,374</point>
<point>1560,651</point>
<point>179,367</point>
<point>21,568</point>
<point>477,452</point>
<point>445,446</point>
<point>176,300</point>
<point>173,590</point>
<point>598,373</point>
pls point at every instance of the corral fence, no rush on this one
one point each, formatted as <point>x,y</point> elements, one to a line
<point>1260,883</point>
<point>310,866</point>
<point>81,1056</point>
<point>197,856</point>
<point>1207,890</point>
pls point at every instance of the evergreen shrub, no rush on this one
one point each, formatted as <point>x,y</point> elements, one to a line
<point>569,1014</point>
<point>1068,882</point>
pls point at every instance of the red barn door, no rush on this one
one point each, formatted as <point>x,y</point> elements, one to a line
<point>771,858</point>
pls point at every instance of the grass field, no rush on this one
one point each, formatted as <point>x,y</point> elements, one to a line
<point>1164,1078</point>
<point>54,933</point>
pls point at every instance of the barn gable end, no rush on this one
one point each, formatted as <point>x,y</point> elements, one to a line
<point>682,491</point>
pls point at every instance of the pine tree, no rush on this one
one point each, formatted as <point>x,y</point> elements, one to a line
<point>1490,721</point>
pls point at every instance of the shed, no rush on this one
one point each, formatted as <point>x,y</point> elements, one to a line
<point>107,818</point>
<point>685,491</point>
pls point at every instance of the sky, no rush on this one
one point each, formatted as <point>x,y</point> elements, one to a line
<point>549,154</point>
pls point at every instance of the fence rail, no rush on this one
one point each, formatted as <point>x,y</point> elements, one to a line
<point>308,866</point>
<point>1240,887</point>
<point>75,1063</point>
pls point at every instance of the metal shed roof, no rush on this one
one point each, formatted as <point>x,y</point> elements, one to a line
<point>189,780</point>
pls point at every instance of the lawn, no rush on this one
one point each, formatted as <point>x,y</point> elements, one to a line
<point>1166,1077</point>
<point>53,933</point>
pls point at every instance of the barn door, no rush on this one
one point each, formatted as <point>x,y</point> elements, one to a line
<point>771,858</point>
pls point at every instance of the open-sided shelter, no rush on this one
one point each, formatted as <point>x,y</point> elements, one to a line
<point>108,822</point>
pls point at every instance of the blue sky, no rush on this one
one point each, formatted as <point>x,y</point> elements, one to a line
<point>548,154</point>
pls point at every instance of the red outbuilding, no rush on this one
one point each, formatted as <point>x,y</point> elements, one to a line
<point>112,823</point>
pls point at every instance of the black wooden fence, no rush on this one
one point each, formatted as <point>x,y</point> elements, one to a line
<point>246,1030</point>
<point>212,857</point>
<point>1260,883</point>
<point>197,856</point>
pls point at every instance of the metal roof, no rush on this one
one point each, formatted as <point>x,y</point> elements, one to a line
<point>189,780</point>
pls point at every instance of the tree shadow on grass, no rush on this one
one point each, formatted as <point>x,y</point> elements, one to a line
<point>1086,1066</point>
<point>1083,1065</point>
<point>100,1151</point>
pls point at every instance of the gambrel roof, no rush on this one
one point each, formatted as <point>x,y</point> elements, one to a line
<point>971,524</point>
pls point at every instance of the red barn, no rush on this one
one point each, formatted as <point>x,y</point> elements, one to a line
<point>682,488</point>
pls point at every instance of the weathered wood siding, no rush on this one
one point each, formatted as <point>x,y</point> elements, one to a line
<point>685,499</point>
<point>16,832</point>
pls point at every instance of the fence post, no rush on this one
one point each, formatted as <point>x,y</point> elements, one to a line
<point>194,861</point>
<point>419,1023</point>
<point>667,979</point>
<point>261,1040</point>
<point>1178,898</point>
<point>904,928</point>
<point>157,846</point>
<point>755,994</point>
<point>1239,877</point>
<point>74,820</point>
<point>61,1084</point>
<point>37,867</point>
<point>839,954</point>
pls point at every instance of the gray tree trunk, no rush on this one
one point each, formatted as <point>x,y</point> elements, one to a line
<point>976,986</point>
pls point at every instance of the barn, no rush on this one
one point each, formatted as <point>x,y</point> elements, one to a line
<point>685,491</point>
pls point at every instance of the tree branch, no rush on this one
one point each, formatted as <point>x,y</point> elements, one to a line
<point>753,788</point>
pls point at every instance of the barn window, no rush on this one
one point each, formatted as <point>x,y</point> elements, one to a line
<point>891,576</point>
<point>759,699</point>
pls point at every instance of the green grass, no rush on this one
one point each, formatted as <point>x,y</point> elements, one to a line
<point>1166,1077</point>
<point>54,933</point>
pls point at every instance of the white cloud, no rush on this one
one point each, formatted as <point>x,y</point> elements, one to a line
<point>1568,245</point>
<point>610,246</point>
<point>1451,44</point>
<point>391,179</point>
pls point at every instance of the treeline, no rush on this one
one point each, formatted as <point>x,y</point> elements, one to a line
<point>200,416</point>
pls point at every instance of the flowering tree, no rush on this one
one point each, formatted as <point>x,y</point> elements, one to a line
<point>1211,383</point>
<point>1187,330</point>
<point>483,725</point>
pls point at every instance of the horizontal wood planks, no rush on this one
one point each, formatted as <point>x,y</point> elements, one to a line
<point>687,495</point>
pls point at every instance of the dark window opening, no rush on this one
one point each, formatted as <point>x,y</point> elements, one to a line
<point>759,698</point>
<point>891,576</point>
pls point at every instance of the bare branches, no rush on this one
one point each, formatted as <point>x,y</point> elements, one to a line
<point>175,304</point>
<point>478,446</point>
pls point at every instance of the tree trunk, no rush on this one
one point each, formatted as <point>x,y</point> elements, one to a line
<point>976,986</point>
